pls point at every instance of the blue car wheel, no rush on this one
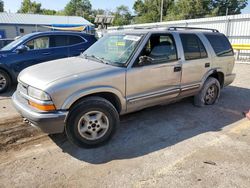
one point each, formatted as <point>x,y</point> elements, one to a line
<point>5,81</point>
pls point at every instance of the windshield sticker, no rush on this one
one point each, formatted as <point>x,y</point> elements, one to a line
<point>132,37</point>
<point>120,43</point>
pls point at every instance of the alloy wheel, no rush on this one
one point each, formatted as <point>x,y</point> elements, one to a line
<point>211,94</point>
<point>3,82</point>
<point>93,125</point>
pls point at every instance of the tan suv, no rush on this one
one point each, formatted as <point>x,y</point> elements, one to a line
<point>124,72</point>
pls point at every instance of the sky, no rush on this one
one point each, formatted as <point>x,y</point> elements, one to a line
<point>247,9</point>
<point>13,5</point>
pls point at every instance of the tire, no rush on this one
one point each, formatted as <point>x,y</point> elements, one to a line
<point>92,122</point>
<point>5,81</point>
<point>209,94</point>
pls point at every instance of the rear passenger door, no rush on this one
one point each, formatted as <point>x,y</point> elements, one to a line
<point>77,45</point>
<point>196,61</point>
<point>59,46</point>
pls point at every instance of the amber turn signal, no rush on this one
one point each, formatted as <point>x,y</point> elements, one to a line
<point>42,107</point>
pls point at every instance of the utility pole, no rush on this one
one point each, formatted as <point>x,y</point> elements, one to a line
<point>227,23</point>
<point>161,10</point>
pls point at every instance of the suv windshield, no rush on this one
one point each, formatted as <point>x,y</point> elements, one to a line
<point>114,49</point>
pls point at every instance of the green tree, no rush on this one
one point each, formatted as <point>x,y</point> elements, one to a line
<point>60,13</point>
<point>140,8</point>
<point>234,7</point>
<point>33,7</point>
<point>122,16</point>
<point>1,6</point>
<point>78,8</point>
<point>150,10</point>
<point>28,6</point>
<point>48,12</point>
<point>189,9</point>
<point>95,12</point>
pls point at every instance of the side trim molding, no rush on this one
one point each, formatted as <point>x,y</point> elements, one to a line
<point>189,87</point>
<point>154,94</point>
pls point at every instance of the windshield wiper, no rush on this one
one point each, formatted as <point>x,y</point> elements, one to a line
<point>117,64</point>
<point>95,58</point>
<point>102,60</point>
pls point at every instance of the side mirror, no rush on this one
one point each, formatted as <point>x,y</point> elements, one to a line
<point>21,49</point>
<point>144,60</point>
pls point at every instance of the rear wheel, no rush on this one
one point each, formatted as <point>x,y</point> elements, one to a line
<point>5,81</point>
<point>92,122</point>
<point>209,94</point>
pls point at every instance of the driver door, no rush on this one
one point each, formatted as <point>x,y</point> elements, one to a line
<point>156,80</point>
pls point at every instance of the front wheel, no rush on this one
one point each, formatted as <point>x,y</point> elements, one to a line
<point>209,94</point>
<point>5,81</point>
<point>92,122</point>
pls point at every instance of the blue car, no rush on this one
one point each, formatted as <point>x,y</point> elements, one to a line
<point>39,47</point>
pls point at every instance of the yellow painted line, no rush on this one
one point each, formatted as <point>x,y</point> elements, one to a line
<point>243,125</point>
<point>241,46</point>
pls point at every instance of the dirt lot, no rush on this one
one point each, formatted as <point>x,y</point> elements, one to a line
<point>177,145</point>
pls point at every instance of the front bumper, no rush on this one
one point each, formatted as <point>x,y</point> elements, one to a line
<point>48,122</point>
<point>229,78</point>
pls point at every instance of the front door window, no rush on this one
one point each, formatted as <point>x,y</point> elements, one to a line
<point>160,49</point>
<point>38,43</point>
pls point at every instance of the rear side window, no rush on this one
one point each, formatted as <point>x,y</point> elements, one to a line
<point>58,40</point>
<point>193,47</point>
<point>220,44</point>
<point>75,40</point>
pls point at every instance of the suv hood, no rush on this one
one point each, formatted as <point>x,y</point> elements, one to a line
<point>41,75</point>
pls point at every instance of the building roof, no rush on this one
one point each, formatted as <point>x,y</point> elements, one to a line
<point>37,19</point>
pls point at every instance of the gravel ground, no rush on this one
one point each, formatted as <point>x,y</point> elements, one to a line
<point>177,145</point>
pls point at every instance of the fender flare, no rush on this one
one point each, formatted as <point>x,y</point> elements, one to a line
<point>94,90</point>
<point>209,73</point>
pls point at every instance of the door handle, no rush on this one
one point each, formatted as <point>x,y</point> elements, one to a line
<point>46,53</point>
<point>177,69</point>
<point>207,65</point>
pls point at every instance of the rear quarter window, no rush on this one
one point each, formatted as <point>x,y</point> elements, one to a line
<point>220,44</point>
<point>75,40</point>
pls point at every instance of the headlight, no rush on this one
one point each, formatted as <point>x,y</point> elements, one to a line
<point>38,94</point>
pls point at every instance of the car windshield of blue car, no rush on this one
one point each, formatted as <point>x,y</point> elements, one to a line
<point>113,49</point>
<point>15,43</point>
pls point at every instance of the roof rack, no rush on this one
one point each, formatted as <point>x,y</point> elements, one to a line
<point>192,28</point>
<point>146,27</point>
